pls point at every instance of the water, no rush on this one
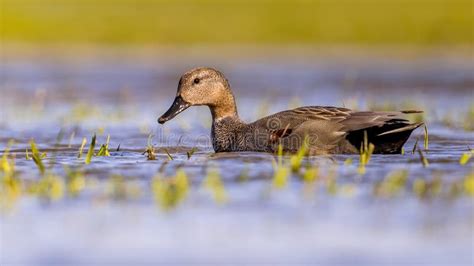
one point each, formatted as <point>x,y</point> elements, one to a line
<point>58,103</point>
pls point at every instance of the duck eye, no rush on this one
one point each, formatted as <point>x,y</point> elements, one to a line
<point>196,81</point>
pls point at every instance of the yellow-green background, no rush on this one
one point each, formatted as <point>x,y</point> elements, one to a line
<point>417,22</point>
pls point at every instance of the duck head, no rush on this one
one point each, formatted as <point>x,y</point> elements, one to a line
<point>202,86</point>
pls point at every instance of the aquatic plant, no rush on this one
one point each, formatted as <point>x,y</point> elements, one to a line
<point>10,191</point>
<point>71,139</point>
<point>348,161</point>
<point>90,152</point>
<point>169,155</point>
<point>423,159</point>
<point>331,182</point>
<point>280,176</point>
<point>415,146</point>
<point>75,181</point>
<point>169,192</point>
<point>191,152</point>
<point>214,184</point>
<point>119,189</point>
<point>296,159</point>
<point>466,156</point>
<point>309,177</point>
<point>392,184</point>
<point>425,137</point>
<point>10,185</point>
<point>311,174</point>
<point>366,151</point>
<point>37,157</point>
<point>150,149</point>
<point>50,187</point>
<point>104,148</point>
<point>468,184</point>
<point>427,188</point>
<point>81,148</point>
<point>280,171</point>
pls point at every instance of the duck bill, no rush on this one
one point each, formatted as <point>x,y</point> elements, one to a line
<point>177,107</point>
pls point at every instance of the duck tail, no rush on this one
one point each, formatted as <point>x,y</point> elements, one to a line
<point>409,127</point>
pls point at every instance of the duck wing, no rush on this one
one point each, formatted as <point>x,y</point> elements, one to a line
<point>291,119</point>
<point>335,129</point>
<point>320,123</point>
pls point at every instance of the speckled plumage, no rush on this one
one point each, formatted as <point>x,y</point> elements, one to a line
<point>328,129</point>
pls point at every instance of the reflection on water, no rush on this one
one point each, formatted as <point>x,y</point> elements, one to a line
<point>343,217</point>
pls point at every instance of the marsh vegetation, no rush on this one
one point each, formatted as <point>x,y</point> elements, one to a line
<point>70,147</point>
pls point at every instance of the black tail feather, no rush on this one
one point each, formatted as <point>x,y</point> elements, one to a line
<point>388,138</point>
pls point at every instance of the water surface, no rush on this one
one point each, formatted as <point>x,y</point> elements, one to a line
<point>339,219</point>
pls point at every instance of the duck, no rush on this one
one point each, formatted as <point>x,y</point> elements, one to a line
<point>323,129</point>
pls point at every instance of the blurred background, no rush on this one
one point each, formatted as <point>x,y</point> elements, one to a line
<point>201,22</point>
<point>70,69</point>
<point>136,50</point>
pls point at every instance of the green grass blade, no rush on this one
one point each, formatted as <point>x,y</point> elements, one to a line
<point>426,138</point>
<point>90,152</point>
<point>81,149</point>
<point>37,158</point>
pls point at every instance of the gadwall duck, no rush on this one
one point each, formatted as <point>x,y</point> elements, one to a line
<point>326,130</point>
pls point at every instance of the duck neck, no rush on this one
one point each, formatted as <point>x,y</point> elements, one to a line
<point>225,109</point>
<point>226,126</point>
